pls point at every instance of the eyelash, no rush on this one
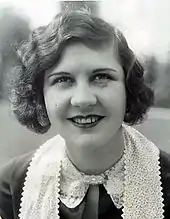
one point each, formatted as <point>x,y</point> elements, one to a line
<point>64,79</point>
<point>60,80</point>
<point>104,76</point>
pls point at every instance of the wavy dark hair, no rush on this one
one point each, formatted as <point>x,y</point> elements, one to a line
<point>44,49</point>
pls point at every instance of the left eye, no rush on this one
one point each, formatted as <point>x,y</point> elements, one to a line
<point>99,77</point>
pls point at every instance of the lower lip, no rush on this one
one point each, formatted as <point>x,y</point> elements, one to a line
<point>86,126</point>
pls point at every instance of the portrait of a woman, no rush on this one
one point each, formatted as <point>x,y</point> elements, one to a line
<point>78,75</point>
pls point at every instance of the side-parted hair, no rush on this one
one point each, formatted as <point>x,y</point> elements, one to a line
<point>44,49</point>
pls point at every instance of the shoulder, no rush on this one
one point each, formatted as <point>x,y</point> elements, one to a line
<point>165,170</point>
<point>165,162</point>
<point>15,168</point>
<point>165,178</point>
<point>11,178</point>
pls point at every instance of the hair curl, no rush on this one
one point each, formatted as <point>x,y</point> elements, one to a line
<point>44,49</point>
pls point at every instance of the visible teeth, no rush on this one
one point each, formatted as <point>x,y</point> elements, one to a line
<point>89,120</point>
<point>93,119</point>
<point>84,121</point>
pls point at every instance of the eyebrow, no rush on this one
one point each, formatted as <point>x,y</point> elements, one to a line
<point>103,69</point>
<point>93,72</point>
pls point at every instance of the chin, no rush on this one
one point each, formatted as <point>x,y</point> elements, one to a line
<point>91,141</point>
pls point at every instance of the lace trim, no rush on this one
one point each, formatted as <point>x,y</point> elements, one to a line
<point>75,183</point>
<point>40,196</point>
<point>115,183</point>
<point>142,191</point>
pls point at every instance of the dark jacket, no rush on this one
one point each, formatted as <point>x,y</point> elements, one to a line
<point>12,177</point>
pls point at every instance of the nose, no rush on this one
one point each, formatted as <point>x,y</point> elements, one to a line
<point>83,97</point>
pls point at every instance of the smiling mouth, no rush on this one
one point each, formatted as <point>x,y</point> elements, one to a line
<point>86,121</point>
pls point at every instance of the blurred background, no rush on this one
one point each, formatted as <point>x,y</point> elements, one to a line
<point>145,24</point>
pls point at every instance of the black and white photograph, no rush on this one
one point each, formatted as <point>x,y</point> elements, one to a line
<point>84,109</point>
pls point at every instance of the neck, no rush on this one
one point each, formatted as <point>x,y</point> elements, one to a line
<point>99,160</point>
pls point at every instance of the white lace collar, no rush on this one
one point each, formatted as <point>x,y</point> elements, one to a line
<point>142,191</point>
<point>74,184</point>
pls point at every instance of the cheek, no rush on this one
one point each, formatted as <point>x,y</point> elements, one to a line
<point>120,99</point>
<point>56,104</point>
<point>49,101</point>
<point>115,97</point>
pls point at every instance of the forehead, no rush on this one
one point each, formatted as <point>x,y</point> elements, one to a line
<point>78,57</point>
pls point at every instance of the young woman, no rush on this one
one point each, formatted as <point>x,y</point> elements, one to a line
<point>79,76</point>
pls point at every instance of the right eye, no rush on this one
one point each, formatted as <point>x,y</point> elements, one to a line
<point>62,80</point>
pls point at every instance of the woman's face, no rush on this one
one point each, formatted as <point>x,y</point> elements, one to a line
<point>85,95</point>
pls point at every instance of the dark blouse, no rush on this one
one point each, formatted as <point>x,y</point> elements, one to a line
<point>12,177</point>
